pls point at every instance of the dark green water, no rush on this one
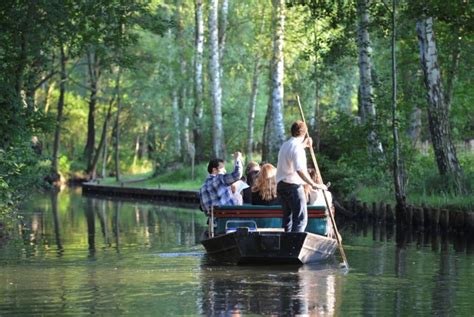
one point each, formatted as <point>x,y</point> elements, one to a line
<point>78,256</point>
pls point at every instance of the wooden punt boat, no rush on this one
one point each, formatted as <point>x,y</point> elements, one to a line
<point>251,234</point>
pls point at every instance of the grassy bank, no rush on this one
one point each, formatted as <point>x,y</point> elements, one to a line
<point>179,178</point>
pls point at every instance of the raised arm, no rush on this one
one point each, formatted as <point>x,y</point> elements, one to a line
<point>231,178</point>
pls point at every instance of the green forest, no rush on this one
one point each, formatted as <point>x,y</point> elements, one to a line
<point>115,89</point>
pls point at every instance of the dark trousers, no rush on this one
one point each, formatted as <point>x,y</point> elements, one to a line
<point>293,201</point>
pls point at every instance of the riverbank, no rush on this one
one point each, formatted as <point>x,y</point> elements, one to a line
<point>424,216</point>
<point>188,197</point>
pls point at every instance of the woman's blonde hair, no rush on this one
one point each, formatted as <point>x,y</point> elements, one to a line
<point>266,182</point>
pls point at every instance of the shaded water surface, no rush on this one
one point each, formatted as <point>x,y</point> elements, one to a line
<point>77,255</point>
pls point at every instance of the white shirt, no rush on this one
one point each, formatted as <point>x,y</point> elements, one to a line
<point>291,158</point>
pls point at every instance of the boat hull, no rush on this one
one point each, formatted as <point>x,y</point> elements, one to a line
<point>247,247</point>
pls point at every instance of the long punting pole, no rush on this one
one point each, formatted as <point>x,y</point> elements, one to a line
<point>318,173</point>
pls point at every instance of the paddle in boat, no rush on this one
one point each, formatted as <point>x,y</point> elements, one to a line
<point>253,234</point>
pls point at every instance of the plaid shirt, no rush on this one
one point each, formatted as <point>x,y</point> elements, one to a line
<point>216,190</point>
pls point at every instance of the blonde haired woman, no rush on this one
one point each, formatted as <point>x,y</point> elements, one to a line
<point>264,190</point>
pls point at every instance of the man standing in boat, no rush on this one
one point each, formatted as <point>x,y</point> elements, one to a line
<point>216,190</point>
<point>291,175</point>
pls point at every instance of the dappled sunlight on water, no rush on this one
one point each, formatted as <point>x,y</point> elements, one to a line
<point>77,255</point>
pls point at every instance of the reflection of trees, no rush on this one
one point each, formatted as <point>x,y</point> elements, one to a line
<point>282,291</point>
<point>54,211</point>
<point>444,290</point>
<point>141,224</point>
<point>90,219</point>
<point>68,217</point>
<point>102,215</point>
<point>115,224</point>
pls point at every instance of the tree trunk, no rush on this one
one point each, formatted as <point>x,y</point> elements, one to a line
<point>94,74</point>
<point>218,148</point>
<point>176,122</point>
<point>183,123</point>
<point>222,34</point>
<point>105,148</point>
<point>366,102</point>
<point>102,142</point>
<point>144,143</point>
<point>49,97</point>
<point>137,150</point>
<point>317,109</point>
<point>183,112</point>
<point>182,85</point>
<point>438,116</point>
<point>397,162</point>
<point>198,82</point>
<point>414,126</point>
<point>117,133</point>
<point>102,148</point>
<point>20,67</point>
<point>253,97</point>
<point>252,107</point>
<point>54,176</point>
<point>452,70</point>
<point>186,139</point>
<point>152,151</point>
<point>275,131</point>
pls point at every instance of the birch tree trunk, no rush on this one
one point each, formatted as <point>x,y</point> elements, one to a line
<point>252,107</point>
<point>223,34</point>
<point>438,115</point>
<point>366,102</point>
<point>274,130</point>
<point>218,149</point>
<point>59,118</point>
<point>253,97</point>
<point>398,172</point>
<point>182,83</point>
<point>198,81</point>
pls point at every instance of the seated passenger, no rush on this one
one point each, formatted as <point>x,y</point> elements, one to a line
<point>315,196</point>
<point>216,190</point>
<point>251,172</point>
<point>237,188</point>
<point>264,191</point>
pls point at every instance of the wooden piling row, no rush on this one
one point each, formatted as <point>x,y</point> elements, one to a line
<point>419,218</point>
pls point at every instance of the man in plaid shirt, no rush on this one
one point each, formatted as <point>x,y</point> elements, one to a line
<point>216,190</point>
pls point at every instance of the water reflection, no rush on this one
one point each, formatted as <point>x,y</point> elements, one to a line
<point>54,211</point>
<point>285,291</point>
<point>76,255</point>
<point>68,222</point>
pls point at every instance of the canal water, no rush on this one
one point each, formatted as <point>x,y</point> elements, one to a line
<point>77,255</point>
